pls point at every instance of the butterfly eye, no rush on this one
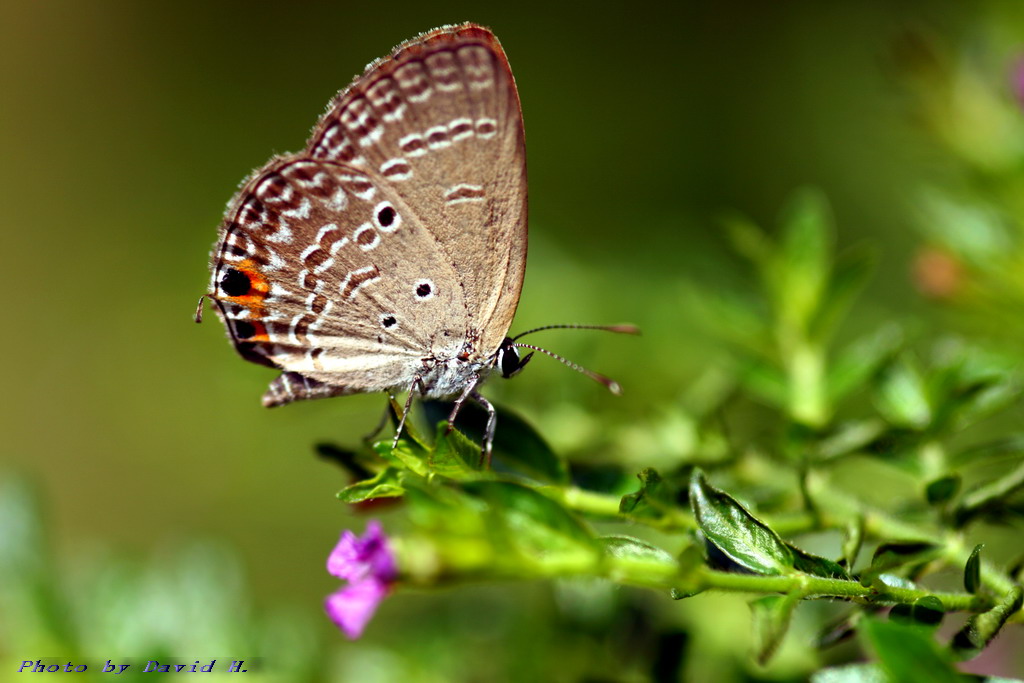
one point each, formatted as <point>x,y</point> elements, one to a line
<point>386,218</point>
<point>509,361</point>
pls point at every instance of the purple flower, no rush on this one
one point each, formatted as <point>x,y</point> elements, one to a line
<point>369,567</point>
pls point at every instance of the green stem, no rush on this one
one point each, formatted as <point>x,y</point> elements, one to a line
<point>607,505</point>
<point>587,502</point>
<point>807,585</point>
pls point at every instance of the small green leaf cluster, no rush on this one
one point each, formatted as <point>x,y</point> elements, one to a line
<point>885,402</point>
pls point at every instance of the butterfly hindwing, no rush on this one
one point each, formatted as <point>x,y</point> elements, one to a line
<point>316,275</point>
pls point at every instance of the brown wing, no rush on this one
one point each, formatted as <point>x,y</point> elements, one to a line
<point>415,177</point>
<point>440,121</point>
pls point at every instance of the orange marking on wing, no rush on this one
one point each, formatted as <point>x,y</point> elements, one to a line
<point>254,299</point>
<point>261,333</point>
<point>259,286</point>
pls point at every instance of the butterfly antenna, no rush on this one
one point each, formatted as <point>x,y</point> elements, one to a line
<point>612,385</point>
<point>620,329</point>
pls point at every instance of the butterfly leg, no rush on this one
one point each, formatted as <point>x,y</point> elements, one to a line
<point>457,406</point>
<point>489,429</point>
<point>416,381</point>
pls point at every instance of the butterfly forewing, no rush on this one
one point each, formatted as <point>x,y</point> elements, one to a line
<point>440,123</point>
<point>398,232</point>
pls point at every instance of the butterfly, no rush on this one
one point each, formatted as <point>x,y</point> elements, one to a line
<point>389,254</point>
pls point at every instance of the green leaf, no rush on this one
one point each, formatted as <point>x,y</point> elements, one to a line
<point>889,556</point>
<point>654,498</point>
<point>986,399</point>
<point>927,611</point>
<point>406,455</point>
<point>766,382</point>
<point>770,618</point>
<point>730,318</point>
<point>982,628</point>
<point>344,457</point>
<point>517,445</point>
<point>901,396</point>
<point>908,653</point>
<point>691,563</point>
<point>894,581</point>
<point>854,537</point>
<point>635,549</point>
<point>750,241</point>
<point>806,255</point>
<point>942,489</point>
<point>850,437</point>
<point>816,566</point>
<point>989,495</point>
<point>857,363</point>
<point>968,387</point>
<point>736,533</point>
<point>849,276</point>
<point>902,613</point>
<point>387,484</point>
<point>639,561</point>
<point>442,510</point>
<point>521,448</point>
<point>1010,446</point>
<point>537,527</point>
<point>454,456</point>
<point>838,630</point>
<point>972,572</point>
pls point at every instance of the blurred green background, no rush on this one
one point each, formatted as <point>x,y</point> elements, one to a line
<point>127,126</point>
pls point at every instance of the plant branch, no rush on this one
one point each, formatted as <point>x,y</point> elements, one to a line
<point>815,586</point>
